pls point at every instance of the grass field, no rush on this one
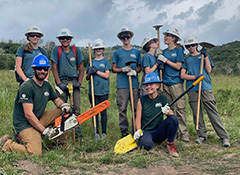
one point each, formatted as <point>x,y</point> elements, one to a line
<point>89,156</point>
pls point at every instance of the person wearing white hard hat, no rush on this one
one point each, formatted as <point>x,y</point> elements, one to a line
<point>120,57</point>
<point>100,71</point>
<point>67,67</point>
<point>190,72</point>
<point>26,53</point>
<point>173,57</point>
<point>149,61</point>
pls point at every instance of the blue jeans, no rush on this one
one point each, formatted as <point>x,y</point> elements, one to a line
<point>166,130</point>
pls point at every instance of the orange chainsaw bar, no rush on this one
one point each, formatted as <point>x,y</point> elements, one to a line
<point>86,115</point>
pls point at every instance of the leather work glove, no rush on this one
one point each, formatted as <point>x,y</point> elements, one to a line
<point>198,76</point>
<point>160,65</point>
<point>158,52</point>
<point>62,86</point>
<point>76,85</point>
<point>92,70</point>
<point>162,58</point>
<point>165,109</point>
<point>132,73</point>
<point>66,107</point>
<point>138,134</point>
<point>204,52</point>
<point>49,132</point>
<point>127,69</point>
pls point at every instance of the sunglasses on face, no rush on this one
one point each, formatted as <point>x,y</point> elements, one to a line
<point>34,35</point>
<point>192,45</point>
<point>42,68</point>
<point>99,49</point>
<point>153,41</point>
<point>125,36</point>
<point>65,37</point>
<point>168,34</point>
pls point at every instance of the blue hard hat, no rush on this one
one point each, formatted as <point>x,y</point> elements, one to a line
<point>40,61</point>
<point>151,77</point>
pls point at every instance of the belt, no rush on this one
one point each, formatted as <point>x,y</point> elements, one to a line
<point>69,78</point>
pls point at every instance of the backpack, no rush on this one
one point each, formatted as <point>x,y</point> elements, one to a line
<point>18,79</point>
<point>60,51</point>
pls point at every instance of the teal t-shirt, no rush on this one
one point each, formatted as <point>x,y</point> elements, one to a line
<point>172,76</point>
<point>101,85</point>
<point>67,63</point>
<point>192,65</point>
<point>150,108</point>
<point>27,59</point>
<point>149,61</point>
<point>120,57</point>
<point>30,92</point>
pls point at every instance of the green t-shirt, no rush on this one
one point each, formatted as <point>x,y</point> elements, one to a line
<point>30,92</point>
<point>150,108</point>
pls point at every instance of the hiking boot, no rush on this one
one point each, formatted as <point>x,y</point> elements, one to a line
<point>172,150</point>
<point>225,142</point>
<point>200,140</point>
<point>104,136</point>
<point>97,137</point>
<point>185,138</point>
<point>3,140</point>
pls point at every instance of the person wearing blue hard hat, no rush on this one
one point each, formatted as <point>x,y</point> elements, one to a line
<point>149,106</point>
<point>30,119</point>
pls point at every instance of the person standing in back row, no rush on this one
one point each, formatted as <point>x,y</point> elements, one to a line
<point>67,67</point>
<point>190,72</point>
<point>100,71</point>
<point>120,57</point>
<point>173,57</point>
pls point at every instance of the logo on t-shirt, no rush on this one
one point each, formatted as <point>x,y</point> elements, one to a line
<point>24,97</point>
<point>174,55</point>
<point>72,59</point>
<point>102,65</point>
<point>158,105</point>
<point>134,56</point>
<point>46,94</point>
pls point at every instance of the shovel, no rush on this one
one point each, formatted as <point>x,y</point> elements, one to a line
<point>128,143</point>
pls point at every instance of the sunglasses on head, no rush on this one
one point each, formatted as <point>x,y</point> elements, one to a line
<point>191,45</point>
<point>65,37</point>
<point>125,36</point>
<point>42,68</point>
<point>33,35</point>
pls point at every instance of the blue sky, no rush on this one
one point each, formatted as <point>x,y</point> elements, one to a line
<point>215,21</point>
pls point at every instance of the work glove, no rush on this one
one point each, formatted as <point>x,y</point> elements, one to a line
<point>160,65</point>
<point>26,80</point>
<point>165,109</point>
<point>198,76</point>
<point>66,107</point>
<point>158,52</point>
<point>127,69</point>
<point>132,73</point>
<point>62,86</point>
<point>162,58</point>
<point>138,134</point>
<point>76,85</point>
<point>204,52</point>
<point>92,70</point>
<point>49,132</point>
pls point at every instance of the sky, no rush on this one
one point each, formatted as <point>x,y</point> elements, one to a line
<point>214,21</point>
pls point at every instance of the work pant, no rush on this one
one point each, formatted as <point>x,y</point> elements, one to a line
<point>32,138</point>
<point>166,130</point>
<point>98,99</point>
<point>123,96</point>
<point>172,92</point>
<point>76,102</point>
<point>209,102</point>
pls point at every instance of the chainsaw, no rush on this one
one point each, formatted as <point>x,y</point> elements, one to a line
<point>68,121</point>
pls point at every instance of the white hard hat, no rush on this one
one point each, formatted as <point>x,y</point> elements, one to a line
<point>64,32</point>
<point>34,29</point>
<point>146,40</point>
<point>98,43</point>
<point>124,29</point>
<point>190,40</point>
<point>174,32</point>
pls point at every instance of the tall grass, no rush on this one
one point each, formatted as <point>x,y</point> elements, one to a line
<point>89,155</point>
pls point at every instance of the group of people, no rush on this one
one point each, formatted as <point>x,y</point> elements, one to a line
<point>31,121</point>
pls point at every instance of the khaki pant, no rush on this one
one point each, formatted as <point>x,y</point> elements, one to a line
<point>172,92</point>
<point>32,138</point>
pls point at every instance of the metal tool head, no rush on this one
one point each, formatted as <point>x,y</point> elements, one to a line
<point>157,26</point>
<point>130,62</point>
<point>206,45</point>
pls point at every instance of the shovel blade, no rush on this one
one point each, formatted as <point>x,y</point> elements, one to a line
<point>125,144</point>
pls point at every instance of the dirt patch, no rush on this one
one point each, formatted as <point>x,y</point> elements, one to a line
<point>29,167</point>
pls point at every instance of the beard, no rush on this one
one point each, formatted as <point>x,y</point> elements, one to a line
<point>40,76</point>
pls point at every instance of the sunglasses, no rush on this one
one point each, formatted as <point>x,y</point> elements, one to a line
<point>168,34</point>
<point>192,45</point>
<point>33,35</point>
<point>42,68</point>
<point>125,36</point>
<point>65,37</point>
<point>99,49</point>
<point>153,41</point>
